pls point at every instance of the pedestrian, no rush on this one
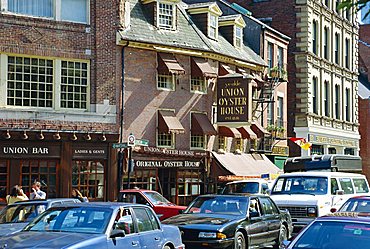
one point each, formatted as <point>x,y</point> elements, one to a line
<point>16,194</point>
<point>77,194</point>
<point>37,192</point>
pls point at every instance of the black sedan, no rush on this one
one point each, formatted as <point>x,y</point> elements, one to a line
<point>233,221</point>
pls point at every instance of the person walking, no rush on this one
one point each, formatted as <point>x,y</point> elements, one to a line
<point>37,192</point>
<point>16,194</point>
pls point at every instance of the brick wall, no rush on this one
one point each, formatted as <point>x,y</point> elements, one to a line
<point>364,116</point>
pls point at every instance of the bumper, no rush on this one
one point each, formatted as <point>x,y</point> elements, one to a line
<point>209,243</point>
<point>299,223</point>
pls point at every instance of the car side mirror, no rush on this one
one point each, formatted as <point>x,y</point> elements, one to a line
<point>339,192</point>
<point>254,214</point>
<point>117,233</point>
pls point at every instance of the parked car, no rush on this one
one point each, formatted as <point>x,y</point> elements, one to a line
<point>96,225</point>
<point>162,207</point>
<point>251,186</point>
<point>311,194</point>
<point>339,230</point>
<point>237,221</point>
<point>17,215</point>
<point>356,204</point>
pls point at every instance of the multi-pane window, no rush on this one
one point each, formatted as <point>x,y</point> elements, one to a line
<point>239,144</point>
<point>213,26</point>
<point>270,113</point>
<point>280,112</point>
<point>88,177</point>
<point>3,179</point>
<point>197,141</point>
<point>198,84</point>
<point>30,82</point>
<point>165,15</point>
<point>166,81</point>
<point>326,98</point>
<point>222,143</point>
<point>60,10</point>
<point>348,105</point>
<point>270,55</point>
<point>315,108</point>
<point>280,57</point>
<point>238,36</point>
<point>346,53</point>
<point>326,43</point>
<point>336,48</point>
<point>317,149</point>
<point>336,104</point>
<point>314,37</point>
<point>165,140</point>
<point>74,85</point>
<point>43,171</point>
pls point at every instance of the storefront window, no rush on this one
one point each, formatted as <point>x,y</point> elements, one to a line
<point>143,179</point>
<point>189,185</point>
<point>3,179</point>
<point>88,177</point>
<point>317,149</point>
<point>42,171</point>
<point>349,151</point>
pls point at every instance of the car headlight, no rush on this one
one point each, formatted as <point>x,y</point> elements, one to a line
<point>311,211</point>
<point>211,235</point>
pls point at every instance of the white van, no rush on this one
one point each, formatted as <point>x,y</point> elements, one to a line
<point>311,194</point>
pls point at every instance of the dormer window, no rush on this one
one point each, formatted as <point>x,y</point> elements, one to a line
<point>213,26</point>
<point>238,37</point>
<point>166,16</point>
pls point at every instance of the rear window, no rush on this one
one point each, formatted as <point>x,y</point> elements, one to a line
<point>360,185</point>
<point>241,187</point>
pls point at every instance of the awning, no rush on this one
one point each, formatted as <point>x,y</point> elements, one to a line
<point>168,123</point>
<point>201,68</point>
<point>200,125</point>
<point>244,73</point>
<point>258,79</point>
<point>228,132</point>
<point>246,164</point>
<point>247,132</point>
<point>224,70</point>
<point>167,63</point>
<point>259,130</point>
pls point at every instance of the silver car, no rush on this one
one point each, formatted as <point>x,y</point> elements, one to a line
<point>16,216</point>
<point>96,225</point>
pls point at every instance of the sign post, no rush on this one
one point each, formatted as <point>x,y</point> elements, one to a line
<point>130,143</point>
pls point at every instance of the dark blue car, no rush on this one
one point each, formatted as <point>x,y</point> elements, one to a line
<point>96,225</point>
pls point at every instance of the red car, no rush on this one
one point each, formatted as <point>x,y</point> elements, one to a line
<point>162,207</point>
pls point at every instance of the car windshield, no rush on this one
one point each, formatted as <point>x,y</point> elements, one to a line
<point>72,219</point>
<point>21,213</point>
<point>356,205</point>
<point>301,185</point>
<point>232,205</point>
<point>241,187</point>
<point>334,235</point>
<point>156,198</point>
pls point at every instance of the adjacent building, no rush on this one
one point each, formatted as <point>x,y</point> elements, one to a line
<point>59,78</point>
<point>322,72</point>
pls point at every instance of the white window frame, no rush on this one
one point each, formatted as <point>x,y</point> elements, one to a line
<point>172,17</point>
<point>198,137</point>
<point>57,11</point>
<point>202,86</point>
<point>172,146</point>
<point>171,83</point>
<point>57,75</point>
<point>238,38</point>
<point>212,26</point>
<point>223,139</point>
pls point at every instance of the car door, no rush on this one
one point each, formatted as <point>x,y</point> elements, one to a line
<point>151,236</point>
<point>125,221</point>
<point>257,229</point>
<point>271,217</point>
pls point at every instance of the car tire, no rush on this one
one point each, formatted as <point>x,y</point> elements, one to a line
<point>166,247</point>
<point>282,236</point>
<point>239,241</point>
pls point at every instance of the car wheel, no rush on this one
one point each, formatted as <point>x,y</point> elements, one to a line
<point>239,241</point>
<point>282,236</point>
<point>166,247</point>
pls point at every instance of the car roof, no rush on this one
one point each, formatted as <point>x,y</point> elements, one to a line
<point>246,195</point>
<point>112,205</point>
<point>360,197</point>
<point>137,190</point>
<point>322,173</point>
<point>248,180</point>
<point>346,216</point>
<point>43,201</point>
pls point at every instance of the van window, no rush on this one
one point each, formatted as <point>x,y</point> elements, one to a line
<point>346,185</point>
<point>360,185</point>
<point>334,186</point>
<point>310,185</point>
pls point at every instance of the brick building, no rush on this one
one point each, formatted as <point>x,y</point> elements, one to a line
<point>322,72</point>
<point>60,75</point>
<point>364,97</point>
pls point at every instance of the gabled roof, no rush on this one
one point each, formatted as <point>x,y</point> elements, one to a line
<point>198,8</point>
<point>187,36</point>
<point>232,20</point>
